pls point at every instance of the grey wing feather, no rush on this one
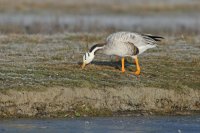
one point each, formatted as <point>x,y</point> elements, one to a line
<point>135,43</point>
<point>150,39</point>
<point>134,49</point>
<point>125,37</point>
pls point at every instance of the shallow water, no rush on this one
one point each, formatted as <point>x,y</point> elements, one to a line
<point>52,23</point>
<point>140,124</point>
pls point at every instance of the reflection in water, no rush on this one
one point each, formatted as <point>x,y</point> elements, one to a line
<point>164,124</point>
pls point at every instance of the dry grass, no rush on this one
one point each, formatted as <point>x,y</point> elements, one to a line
<point>39,61</point>
<point>95,6</point>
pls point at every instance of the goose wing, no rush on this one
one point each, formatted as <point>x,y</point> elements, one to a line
<point>126,43</point>
<point>124,37</point>
<point>134,38</point>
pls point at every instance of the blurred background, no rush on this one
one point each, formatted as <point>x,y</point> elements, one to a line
<point>63,16</point>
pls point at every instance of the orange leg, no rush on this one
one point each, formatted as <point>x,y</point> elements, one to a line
<point>134,62</point>
<point>137,66</point>
<point>123,70</point>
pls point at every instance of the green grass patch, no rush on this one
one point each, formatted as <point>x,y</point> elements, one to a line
<point>46,64</point>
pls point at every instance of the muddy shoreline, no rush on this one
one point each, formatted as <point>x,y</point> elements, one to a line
<point>82,102</point>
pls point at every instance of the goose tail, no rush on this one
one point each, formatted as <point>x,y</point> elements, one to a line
<point>155,38</point>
